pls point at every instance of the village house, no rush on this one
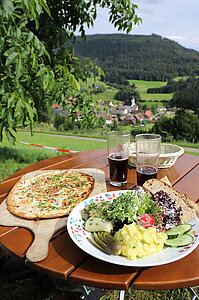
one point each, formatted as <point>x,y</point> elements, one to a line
<point>161,108</point>
<point>159,115</point>
<point>139,117</point>
<point>108,119</point>
<point>171,111</point>
<point>148,115</point>
<point>126,120</point>
<point>119,111</point>
<point>59,109</point>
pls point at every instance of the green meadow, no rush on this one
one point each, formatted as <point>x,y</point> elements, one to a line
<point>147,99</point>
<point>143,85</point>
<point>107,95</point>
<point>18,156</point>
<point>151,99</point>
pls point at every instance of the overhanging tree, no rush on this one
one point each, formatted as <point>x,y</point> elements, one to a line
<point>36,69</point>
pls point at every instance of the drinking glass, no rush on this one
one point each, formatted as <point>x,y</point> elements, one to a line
<point>118,153</point>
<point>147,156</point>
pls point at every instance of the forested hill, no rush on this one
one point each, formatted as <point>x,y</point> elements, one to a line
<point>138,56</point>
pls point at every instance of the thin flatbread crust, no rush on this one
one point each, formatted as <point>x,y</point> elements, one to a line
<point>50,194</point>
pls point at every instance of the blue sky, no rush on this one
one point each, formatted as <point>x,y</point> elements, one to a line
<point>177,20</point>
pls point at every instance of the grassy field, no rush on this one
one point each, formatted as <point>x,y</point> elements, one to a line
<point>180,78</point>
<point>14,158</point>
<point>39,286</point>
<point>107,95</point>
<point>141,85</point>
<point>156,97</point>
<point>151,99</point>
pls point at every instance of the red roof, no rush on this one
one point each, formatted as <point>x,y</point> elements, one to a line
<point>55,106</point>
<point>148,113</point>
<point>139,116</point>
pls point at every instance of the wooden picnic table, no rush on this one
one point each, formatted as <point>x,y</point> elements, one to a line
<point>67,261</point>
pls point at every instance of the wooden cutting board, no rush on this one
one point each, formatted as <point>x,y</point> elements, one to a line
<point>44,229</point>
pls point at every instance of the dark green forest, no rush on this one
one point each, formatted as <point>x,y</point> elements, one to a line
<point>138,57</point>
<point>184,126</point>
<point>123,57</point>
<point>186,93</point>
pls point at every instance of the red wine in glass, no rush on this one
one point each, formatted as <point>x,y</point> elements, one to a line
<point>145,173</point>
<point>118,165</point>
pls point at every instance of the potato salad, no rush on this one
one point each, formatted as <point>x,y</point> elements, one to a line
<point>138,242</point>
<point>134,224</point>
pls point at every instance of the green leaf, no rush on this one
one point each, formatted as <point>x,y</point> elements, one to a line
<point>30,37</point>
<point>45,6</point>
<point>8,7</point>
<point>10,119</point>
<point>19,108</point>
<point>11,58</point>
<point>2,89</point>
<point>10,135</point>
<point>1,41</point>
<point>18,32</point>
<point>19,68</point>
<point>38,8</point>
<point>34,61</point>
<point>30,111</point>
<point>27,122</point>
<point>73,82</point>
<point>41,71</point>
<point>37,43</point>
<point>3,113</point>
<point>27,3</point>
<point>129,28</point>
<point>11,101</point>
<point>46,80</point>
<point>20,120</point>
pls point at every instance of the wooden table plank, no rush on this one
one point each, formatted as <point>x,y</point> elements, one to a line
<point>64,256</point>
<point>17,241</point>
<point>97,159</point>
<point>5,229</point>
<point>189,184</point>
<point>96,273</point>
<point>180,274</point>
<point>183,165</point>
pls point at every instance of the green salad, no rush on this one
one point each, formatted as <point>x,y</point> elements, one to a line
<point>128,206</point>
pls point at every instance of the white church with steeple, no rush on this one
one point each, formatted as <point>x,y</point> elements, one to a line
<point>134,106</point>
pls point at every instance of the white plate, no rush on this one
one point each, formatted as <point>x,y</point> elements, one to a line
<point>78,234</point>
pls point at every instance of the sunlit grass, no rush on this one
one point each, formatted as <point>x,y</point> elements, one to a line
<point>143,85</point>
<point>14,158</point>
<point>156,97</point>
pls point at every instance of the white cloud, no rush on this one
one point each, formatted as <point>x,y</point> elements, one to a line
<point>158,20</point>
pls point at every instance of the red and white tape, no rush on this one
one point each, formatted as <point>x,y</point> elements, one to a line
<point>46,147</point>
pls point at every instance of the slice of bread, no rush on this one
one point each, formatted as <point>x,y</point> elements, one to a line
<point>188,207</point>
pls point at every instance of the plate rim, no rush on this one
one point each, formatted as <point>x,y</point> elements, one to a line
<point>123,261</point>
